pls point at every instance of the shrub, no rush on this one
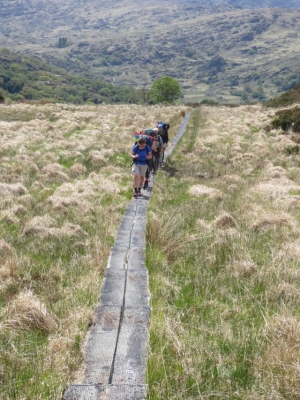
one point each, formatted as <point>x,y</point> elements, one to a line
<point>287,119</point>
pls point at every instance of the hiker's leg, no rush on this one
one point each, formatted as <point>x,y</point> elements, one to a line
<point>151,166</point>
<point>141,181</point>
<point>146,179</point>
<point>142,172</point>
<point>135,173</point>
<point>163,153</point>
<point>147,174</point>
<point>156,161</point>
<point>136,181</point>
<point>160,158</point>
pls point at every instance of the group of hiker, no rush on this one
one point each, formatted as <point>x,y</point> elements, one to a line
<point>148,154</point>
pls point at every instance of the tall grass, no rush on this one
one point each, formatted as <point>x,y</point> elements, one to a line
<point>223,259</point>
<point>65,180</point>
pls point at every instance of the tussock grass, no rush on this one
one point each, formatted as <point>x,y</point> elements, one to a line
<point>27,312</point>
<point>65,180</point>
<point>225,308</point>
<point>165,233</point>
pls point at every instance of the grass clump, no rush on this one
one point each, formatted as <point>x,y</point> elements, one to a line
<point>225,300</point>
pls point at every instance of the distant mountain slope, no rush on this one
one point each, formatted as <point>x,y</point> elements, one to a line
<point>31,79</point>
<point>263,3</point>
<point>232,50</point>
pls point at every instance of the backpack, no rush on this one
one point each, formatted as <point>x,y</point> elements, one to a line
<point>149,131</point>
<point>163,128</point>
<point>157,143</point>
<point>143,134</point>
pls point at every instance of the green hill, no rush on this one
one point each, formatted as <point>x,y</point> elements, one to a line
<point>238,51</point>
<point>290,97</point>
<point>29,78</point>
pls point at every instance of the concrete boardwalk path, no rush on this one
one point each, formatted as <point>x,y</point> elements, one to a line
<point>116,345</point>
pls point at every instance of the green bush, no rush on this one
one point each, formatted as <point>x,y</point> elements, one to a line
<point>287,119</point>
<point>292,96</point>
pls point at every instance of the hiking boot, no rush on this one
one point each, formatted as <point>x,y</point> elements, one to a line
<point>145,185</point>
<point>139,193</point>
<point>135,194</point>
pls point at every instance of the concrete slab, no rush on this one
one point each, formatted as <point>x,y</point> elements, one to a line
<point>124,392</point>
<point>118,258</point>
<point>139,222</point>
<point>123,238</point>
<point>100,345</point>
<point>113,288</point>
<point>137,291</point>
<point>131,208</point>
<point>138,239</point>
<point>127,223</point>
<point>82,392</point>
<point>142,208</point>
<point>136,258</point>
<point>106,392</point>
<point>131,355</point>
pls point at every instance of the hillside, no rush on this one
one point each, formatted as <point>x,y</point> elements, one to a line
<point>288,98</point>
<point>29,78</point>
<point>234,51</point>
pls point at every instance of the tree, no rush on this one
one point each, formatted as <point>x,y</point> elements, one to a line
<point>62,42</point>
<point>145,95</point>
<point>165,89</point>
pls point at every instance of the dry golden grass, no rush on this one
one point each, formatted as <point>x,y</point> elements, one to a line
<point>225,221</point>
<point>27,312</point>
<point>202,190</point>
<point>280,363</point>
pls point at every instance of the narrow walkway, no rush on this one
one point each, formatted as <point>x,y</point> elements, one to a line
<point>116,346</point>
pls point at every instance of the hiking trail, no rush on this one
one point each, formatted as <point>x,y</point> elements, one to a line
<point>116,346</point>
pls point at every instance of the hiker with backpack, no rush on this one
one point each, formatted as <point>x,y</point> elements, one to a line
<point>141,153</point>
<point>157,150</point>
<point>147,134</point>
<point>163,129</point>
